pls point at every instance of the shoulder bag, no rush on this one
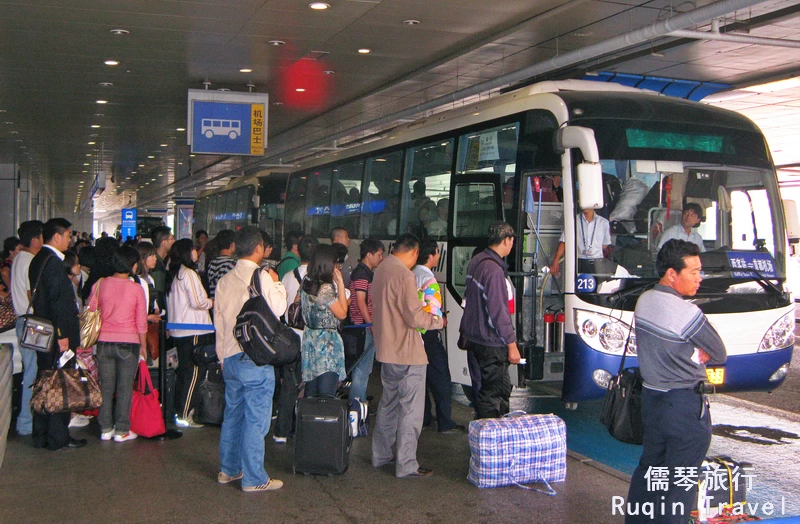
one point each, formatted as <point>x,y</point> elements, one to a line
<point>38,333</point>
<point>90,319</point>
<point>146,417</point>
<point>622,406</point>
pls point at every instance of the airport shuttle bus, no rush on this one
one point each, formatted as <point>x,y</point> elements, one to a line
<point>535,157</point>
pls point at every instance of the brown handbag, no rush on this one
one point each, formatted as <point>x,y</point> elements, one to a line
<point>153,339</point>
<point>65,390</point>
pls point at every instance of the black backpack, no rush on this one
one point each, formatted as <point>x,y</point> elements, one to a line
<point>263,337</point>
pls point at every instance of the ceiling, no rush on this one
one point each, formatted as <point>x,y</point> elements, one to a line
<point>52,73</point>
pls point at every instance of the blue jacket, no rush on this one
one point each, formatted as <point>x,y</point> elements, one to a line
<point>486,319</point>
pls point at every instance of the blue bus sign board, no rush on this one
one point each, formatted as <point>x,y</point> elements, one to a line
<point>744,263</point>
<point>128,228</point>
<point>225,123</point>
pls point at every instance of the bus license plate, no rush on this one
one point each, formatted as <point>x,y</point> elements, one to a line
<point>716,375</point>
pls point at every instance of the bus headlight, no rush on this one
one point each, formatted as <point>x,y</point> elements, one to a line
<point>604,333</point>
<point>780,374</point>
<point>779,335</point>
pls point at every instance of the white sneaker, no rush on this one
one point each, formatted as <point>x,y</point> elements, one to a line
<point>272,485</point>
<point>187,423</point>
<point>130,435</point>
<point>107,435</point>
<point>279,440</point>
<point>79,421</point>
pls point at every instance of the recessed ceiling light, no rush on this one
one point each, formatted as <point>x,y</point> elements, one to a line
<point>13,132</point>
<point>8,123</point>
<point>86,163</point>
<point>164,145</point>
<point>276,42</point>
<point>277,103</point>
<point>119,32</point>
<point>100,115</point>
<point>329,72</point>
<point>141,165</point>
<point>3,111</point>
<point>102,101</point>
<point>152,180</point>
<point>91,143</point>
<point>180,129</point>
<point>245,70</point>
<point>111,62</point>
<point>319,6</point>
<point>161,174</point>
<point>151,156</point>
<point>105,84</point>
<point>411,22</point>
<point>364,51</point>
<point>133,173</point>
<point>85,171</point>
<point>95,126</point>
<point>300,90</point>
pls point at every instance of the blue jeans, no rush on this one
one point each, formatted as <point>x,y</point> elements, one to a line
<point>362,369</point>
<point>248,410</point>
<point>25,419</point>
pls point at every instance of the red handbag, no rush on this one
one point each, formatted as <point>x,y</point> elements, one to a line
<point>146,418</point>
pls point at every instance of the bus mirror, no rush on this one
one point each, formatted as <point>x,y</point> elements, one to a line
<point>580,137</point>
<point>792,222</point>
<point>590,186</point>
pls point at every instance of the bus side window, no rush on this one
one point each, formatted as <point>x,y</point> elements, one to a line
<point>426,182</point>
<point>380,195</point>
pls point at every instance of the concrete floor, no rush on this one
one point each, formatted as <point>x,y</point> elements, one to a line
<point>175,481</point>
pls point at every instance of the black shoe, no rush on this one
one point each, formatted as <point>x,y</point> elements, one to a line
<point>421,472</point>
<point>458,429</point>
<point>75,443</point>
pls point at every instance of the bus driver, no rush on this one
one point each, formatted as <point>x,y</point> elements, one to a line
<point>594,240</point>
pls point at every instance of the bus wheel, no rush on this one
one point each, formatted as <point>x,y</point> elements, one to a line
<point>572,406</point>
<point>209,133</point>
<point>232,135</point>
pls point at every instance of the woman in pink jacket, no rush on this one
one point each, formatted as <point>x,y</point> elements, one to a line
<point>122,341</point>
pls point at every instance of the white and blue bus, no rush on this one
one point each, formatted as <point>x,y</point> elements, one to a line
<point>637,158</point>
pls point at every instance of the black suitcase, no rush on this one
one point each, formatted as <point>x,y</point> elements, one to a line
<point>322,439</point>
<point>167,396</point>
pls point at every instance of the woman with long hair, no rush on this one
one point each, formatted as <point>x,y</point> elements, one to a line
<point>187,305</point>
<point>147,257</point>
<point>121,342</point>
<point>324,303</point>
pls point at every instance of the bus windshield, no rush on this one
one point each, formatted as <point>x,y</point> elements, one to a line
<point>732,213</point>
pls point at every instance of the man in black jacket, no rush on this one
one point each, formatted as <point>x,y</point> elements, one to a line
<point>54,299</point>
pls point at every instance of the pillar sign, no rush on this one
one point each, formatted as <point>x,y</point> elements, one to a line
<point>128,229</point>
<point>226,123</point>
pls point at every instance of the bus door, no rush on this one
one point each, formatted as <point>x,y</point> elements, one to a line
<point>476,201</point>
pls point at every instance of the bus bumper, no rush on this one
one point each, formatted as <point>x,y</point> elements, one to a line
<point>742,372</point>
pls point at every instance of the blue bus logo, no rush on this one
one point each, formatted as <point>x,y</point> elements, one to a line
<point>212,127</point>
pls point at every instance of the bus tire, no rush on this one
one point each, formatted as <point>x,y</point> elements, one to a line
<point>209,133</point>
<point>232,135</point>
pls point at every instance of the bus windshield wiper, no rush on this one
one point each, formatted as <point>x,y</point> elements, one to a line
<point>631,289</point>
<point>763,281</point>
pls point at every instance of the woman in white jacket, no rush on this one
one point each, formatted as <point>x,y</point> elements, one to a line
<point>188,307</point>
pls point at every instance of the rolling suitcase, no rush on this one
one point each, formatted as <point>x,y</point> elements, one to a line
<point>322,439</point>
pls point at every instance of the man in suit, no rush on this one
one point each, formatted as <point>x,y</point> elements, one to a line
<point>54,299</point>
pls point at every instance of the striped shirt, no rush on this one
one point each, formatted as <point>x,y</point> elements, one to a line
<point>217,269</point>
<point>360,280</point>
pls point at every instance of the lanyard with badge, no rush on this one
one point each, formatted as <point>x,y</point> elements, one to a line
<point>587,248</point>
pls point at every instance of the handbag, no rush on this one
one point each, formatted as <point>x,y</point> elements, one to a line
<point>154,339</point>
<point>622,405</point>
<point>204,351</point>
<point>38,333</point>
<point>65,390</point>
<point>86,359</point>
<point>146,417</point>
<point>90,319</point>
<point>8,317</point>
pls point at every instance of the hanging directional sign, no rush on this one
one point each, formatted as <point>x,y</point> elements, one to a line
<point>227,123</point>
<point>128,229</point>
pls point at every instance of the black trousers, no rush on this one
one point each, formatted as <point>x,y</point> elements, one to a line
<point>495,389</point>
<point>50,431</point>
<point>437,382</point>
<point>188,377</point>
<point>677,432</point>
<point>289,378</point>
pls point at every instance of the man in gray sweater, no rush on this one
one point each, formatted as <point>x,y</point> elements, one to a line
<point>674,341</point>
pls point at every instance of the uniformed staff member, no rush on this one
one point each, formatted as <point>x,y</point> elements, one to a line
<point>594,239</point>
<point>674,341</point>
<point>691,217</point>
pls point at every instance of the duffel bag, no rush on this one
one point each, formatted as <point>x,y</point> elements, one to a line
<point>518,449</point>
